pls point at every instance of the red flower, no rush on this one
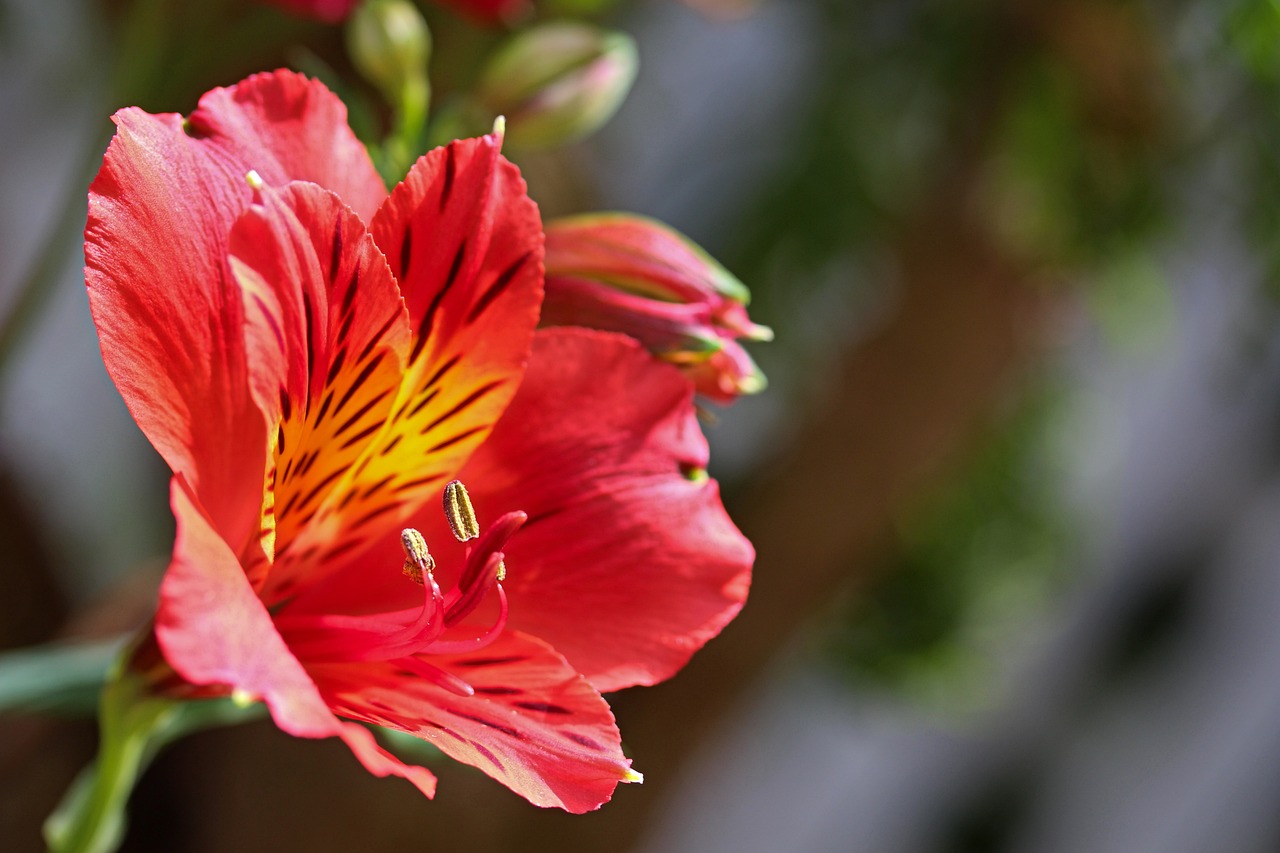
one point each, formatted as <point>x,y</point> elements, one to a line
<point>481,11</point>
<point>626,273</point>
<point>315,360</point>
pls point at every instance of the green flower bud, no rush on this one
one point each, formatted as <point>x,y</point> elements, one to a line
<point>390,45</point>
<point>558,82</point>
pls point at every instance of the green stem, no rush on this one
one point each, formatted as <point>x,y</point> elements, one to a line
<point>135,726</point>
<point>91,816</point>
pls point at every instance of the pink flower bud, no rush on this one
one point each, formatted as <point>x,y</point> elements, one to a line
<point>624,273</point>
<point>558,82</point>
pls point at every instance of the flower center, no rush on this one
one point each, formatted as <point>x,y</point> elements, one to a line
<point>438,626</point>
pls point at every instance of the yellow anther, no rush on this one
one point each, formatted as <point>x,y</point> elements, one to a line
<point>630,775</point>
<point>254,180</point>
<point>417,559</point>
<point>502,571</point>
<point>458,509</point>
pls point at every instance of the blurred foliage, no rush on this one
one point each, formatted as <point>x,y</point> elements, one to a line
<point>976,558</point>
<point>1067,121</point>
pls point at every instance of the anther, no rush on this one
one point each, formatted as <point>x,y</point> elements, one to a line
<point>254,180</point>
<point>417,559</point>
<point>458,509</point>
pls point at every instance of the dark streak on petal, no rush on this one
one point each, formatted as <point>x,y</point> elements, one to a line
<point>335,252</point>
<point>450,171</point>
<point>361,435</point>
<point>583,740</point>
<point>357,382</point>
<point>462,404</point>
<point>489,755</point>
<point>369,516</point>
<point>377,336</point>
<point>406,253</point>
<point>422,404</point>
<point>336,366</point>
<point>364,410</point>
<point>449,442</point>
<point>543,707</point>
<point>506,730</point>
<point>475,663</point>
<point>495,289</point>
<point>449,364</point>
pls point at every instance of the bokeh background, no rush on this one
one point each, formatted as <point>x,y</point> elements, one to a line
<point>1015,485</point>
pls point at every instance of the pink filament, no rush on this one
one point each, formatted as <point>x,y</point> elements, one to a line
<point>401,634</point>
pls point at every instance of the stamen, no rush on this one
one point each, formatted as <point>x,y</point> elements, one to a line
<point>458,509</point>
<point>417,559</point>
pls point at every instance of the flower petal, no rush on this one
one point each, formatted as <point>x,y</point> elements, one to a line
<point>628,563</point>
<point>287,127</point>
<point>328,338</point>
<point>330,11</point>
<point>169,316</point>
<point>533,723</point>
<point>465,243</point>
<point>213,629</point>
<point>489,11</point>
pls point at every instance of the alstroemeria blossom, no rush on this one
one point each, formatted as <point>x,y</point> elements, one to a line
<point>318,361</point>
<point>481,11</point>
<point>626,273</point>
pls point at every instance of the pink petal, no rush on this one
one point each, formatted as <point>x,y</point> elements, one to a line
<point>330,11</point>
<point>628,563</point>
<point>533,723</point>
<point>213,630</point>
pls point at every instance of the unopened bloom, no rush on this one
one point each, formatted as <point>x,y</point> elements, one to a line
<point>558,82</point>
<point>626,273</point>
<point>322,365</point>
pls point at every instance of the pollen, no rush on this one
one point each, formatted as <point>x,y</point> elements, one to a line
<point>458,509</point>
<point>418,561</point>
<point>254,180</point>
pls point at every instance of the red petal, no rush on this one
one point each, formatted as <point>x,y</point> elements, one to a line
<point>488,11</point>
<point>330,11</point>
<point>628,563</point>
<point>328,338</point>
<point>213,630</point>
<point>465,243</point>
<point>169,316</point>
<point>533,723</point>
<point>287,127</point>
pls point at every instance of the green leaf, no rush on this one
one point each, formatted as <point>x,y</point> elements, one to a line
<point>60,678</point>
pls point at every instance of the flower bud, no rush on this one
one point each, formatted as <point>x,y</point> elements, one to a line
<point>623,273</point>
<point>390,45</point>
<point>558,82</point>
